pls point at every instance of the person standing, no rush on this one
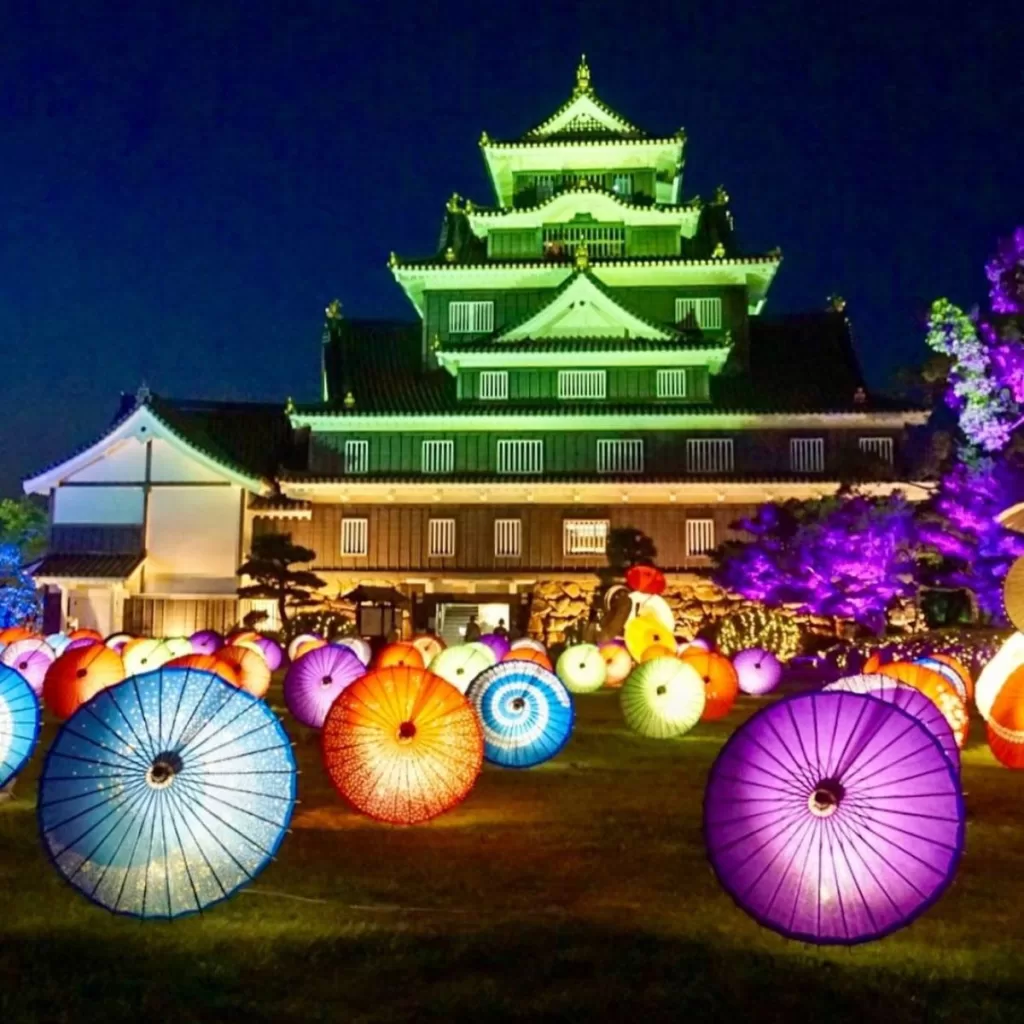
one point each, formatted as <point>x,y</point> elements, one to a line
<point>472,629</point>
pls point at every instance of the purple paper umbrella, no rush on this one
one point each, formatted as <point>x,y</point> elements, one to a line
<point>273,653</point>
<point>912,700</point>
<point>497,643</point>
<point>206,641</point>
<point>315,679</point>
<point>758,671</point>
<point>833,817</point>
<point>31,658</point>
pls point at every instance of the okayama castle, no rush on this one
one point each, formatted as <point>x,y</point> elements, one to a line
<point>589,354</point>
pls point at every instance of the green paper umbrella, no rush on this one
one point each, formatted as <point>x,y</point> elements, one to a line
<point>663,697</point>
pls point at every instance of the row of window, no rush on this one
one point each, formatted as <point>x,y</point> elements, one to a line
<point>524,457</point>
<point>477,316</point>
<point>579,537</point>
<point>581,384</point>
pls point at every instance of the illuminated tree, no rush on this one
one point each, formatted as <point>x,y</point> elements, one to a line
<point>23,524</point>
<point>272,567</point>
<point>849,556</point>
<point>19,603</point>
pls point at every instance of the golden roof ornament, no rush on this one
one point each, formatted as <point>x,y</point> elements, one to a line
<point>719,252</point>
<point>449,255</point>
<point>721,196</point>
<point>289,406</point>
<point>836,303</point>
<point>453,203</point>
<point>582,256</point>
<point>392,260</point>
<point>143,394</point>
<point>485,139</point>
<point>333,310</point>
<point>350,400</point>
<point>582,76</point>
<point>469,206</point>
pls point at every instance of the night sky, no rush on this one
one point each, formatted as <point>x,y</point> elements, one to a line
<point>183,187</point>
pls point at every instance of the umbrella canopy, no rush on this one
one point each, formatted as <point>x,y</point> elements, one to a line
<point>146,654</point>
<point>525,711</point>
<point>12,633</point>
<point>302,638</point>
<point>206,641</point>
<point>833,817</point>
<point>32,658</point>
<point>994,675</point>
<point>959,668</point>
<point>757,671</point>
<point>911,700</point>
<point>207,663</point>
<point>314,681</point>
<point>459,665</point>
<point>86,634</point>
<point>361,647</point>
<point>720,680</point>
<point>402,745</point>
<point>251,666</point>
<point>167,793</point>
<point>1006,722</point>
<point>527,641</point>
<point>489,653</point>
<point>646,631</point>
<point>938,689</point>
<point>399,654</point>
<point>429,646</point>
<point>528,654</point>
<point>618,664</point>
<point>19,722</point>
<point>273,653</point>
<point>582,668</point>
<point>663,698</point>
<point>79,674</point>
<point>645,579</point>
<point>58,641</point>
<point>498,643</point>
<point>117,641</point>
<point>948,673</point>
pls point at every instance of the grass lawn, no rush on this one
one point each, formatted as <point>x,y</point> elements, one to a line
<point>577,891</point>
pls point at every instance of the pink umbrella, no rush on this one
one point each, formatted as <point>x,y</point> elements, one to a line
<point>315,679</point>
<point>206,641</point>
<point>497,643</point>
<point>31,658</point>
<point>272,652</point>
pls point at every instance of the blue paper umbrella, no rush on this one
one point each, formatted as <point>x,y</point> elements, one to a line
<point>525,710</point>
<point>166,793</point>
<point>19,723</point>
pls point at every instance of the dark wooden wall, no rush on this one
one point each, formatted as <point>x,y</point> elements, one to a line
<point>397,535</point>
<point>161,616</point>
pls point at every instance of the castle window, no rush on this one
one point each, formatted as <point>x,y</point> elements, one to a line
<point>622,184</point>
<point>700,537</point>
<point>705,314</point>
<point>545,185</point>
<point>671,384</point>
<point>470,317</point>
<point>354,537</point>
<point>357,456</point>
<point>807,454</point>
<point>441,538</point>
<point>521,457</point>
<point>494,385</point>
<point>585,536</point>
<point>508,538</point>
<point>709,455</point>
<point>437,456</point>
<point>620,456</point>
<point>604,241</point>
<point>582,383</point>
<point>880,448</point>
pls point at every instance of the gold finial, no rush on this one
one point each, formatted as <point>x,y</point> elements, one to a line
<point>289,406</point>
<point>449,255</point>
<point>582,75</point>
<point>719,252</point>
<point>776,253</point>
<point>435,342</point>
<point>350,400</point>
<point>469,206</point>
<point>836,303</point>
<point>392,260</point>
<point>485,139</point>
<point>721,196</point>
<point>582,256</point>
<point>453,203</point>
<point>333,310</point>
<point>581,182</point>
<point>681,134</point>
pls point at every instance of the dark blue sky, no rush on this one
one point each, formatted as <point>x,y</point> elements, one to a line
<point>184,186</point>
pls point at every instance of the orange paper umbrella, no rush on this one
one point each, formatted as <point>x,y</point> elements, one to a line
<point>872,665</point>
<point>207,663</point>
<point>402,745</point>
<point>721,684</point>
<point>959,668</point>
<point>307,645</point>
<point>297,641</point>
<point>13,633</point>
<point>939,689</point>
<point>399,655</point>
<point>645,631</point>
<point>252,668</point>
<point>78,675</point>
<point>617,662</point>
<point>529,654</point>
<point>241,634</point>
<point>1006,722</point>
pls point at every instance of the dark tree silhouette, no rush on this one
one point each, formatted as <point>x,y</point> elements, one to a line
<point>271,565</point>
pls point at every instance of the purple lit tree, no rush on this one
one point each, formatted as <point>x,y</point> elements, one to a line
<point>850,556</point>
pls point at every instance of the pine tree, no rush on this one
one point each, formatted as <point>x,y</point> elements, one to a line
<point>271,565</point>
